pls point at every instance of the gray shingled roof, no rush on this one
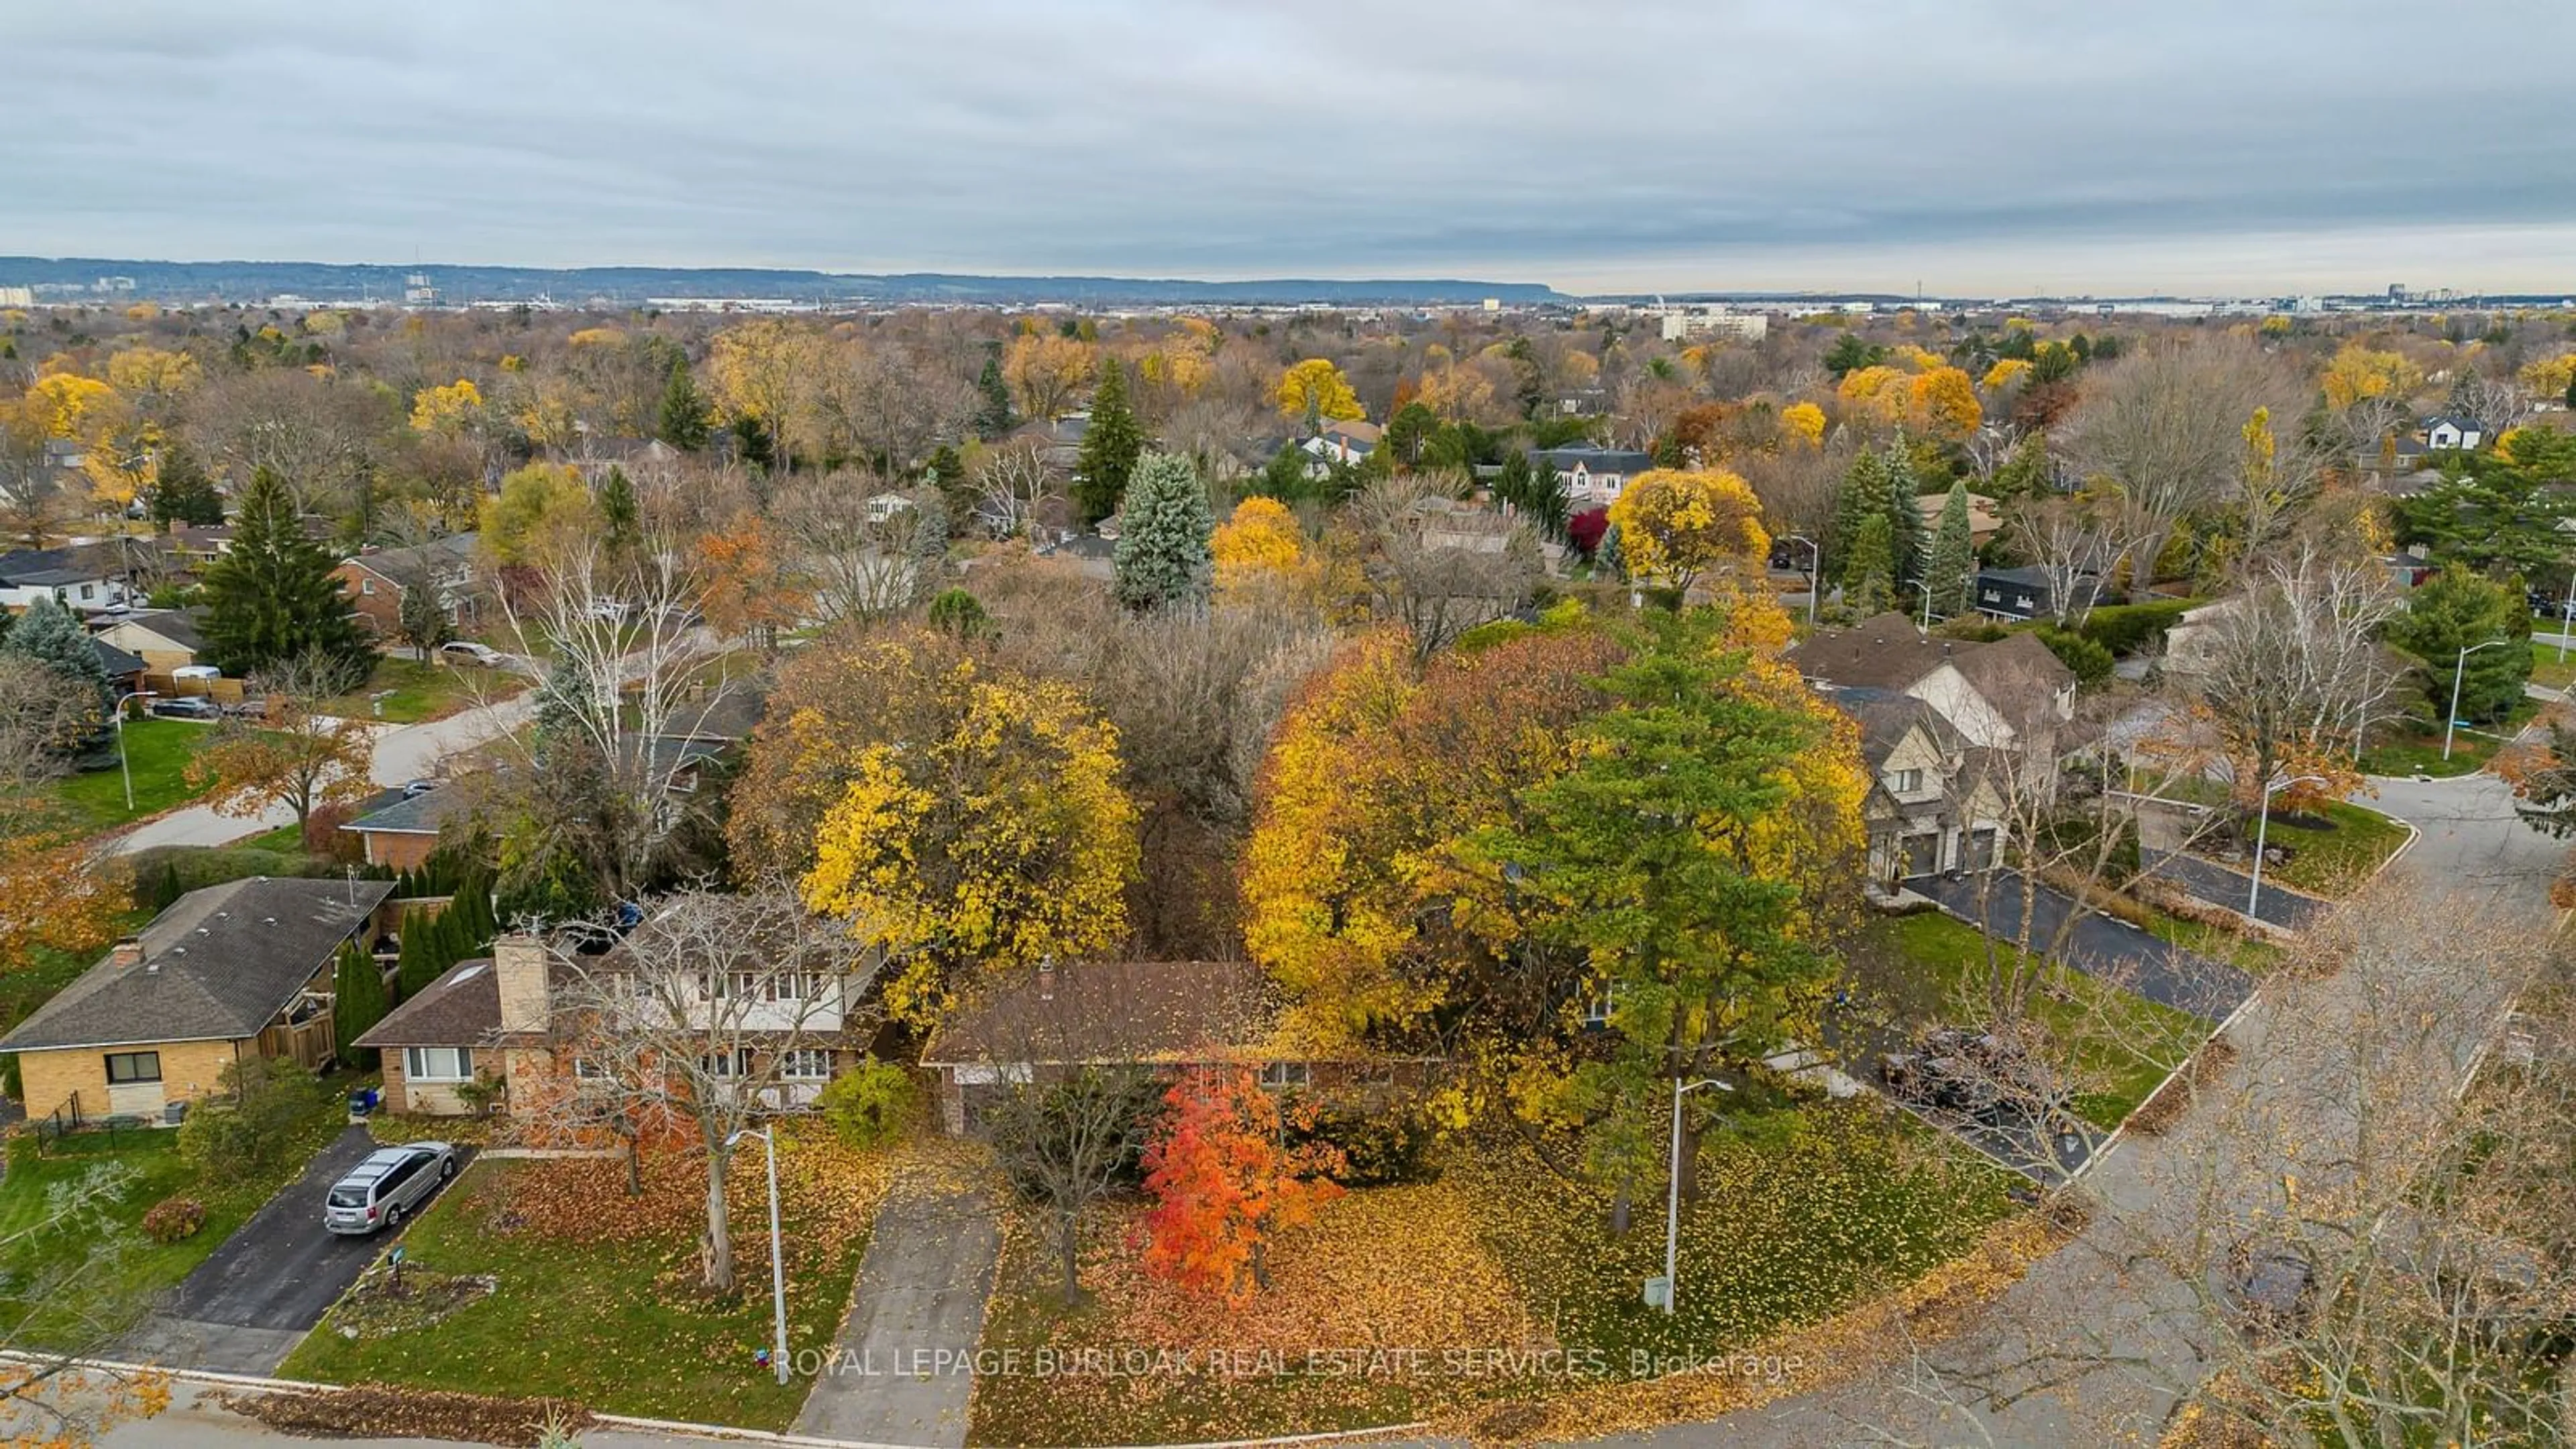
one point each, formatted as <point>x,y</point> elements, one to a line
<point>461,1008</point>
<point>219,965</point>
<point>422,814</point>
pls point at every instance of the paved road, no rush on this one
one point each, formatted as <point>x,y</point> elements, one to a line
<point>403,753</point>
<point>196,1421</point>
<point>245,1307</point>
<point>2226,886</point>
<point>2095,1343</point>
<point>899,1374</point>
<point>2100,946</point>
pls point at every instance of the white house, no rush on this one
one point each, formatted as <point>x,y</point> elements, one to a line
<point>1592,477</point>
<point>2452,432</point>
<point>1927,813</point>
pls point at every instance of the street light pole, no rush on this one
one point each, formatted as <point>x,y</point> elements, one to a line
<point>121,767</point>
<point>1816,572</point>
<point>777,1258</point>
<point>1927,605</point>
<point>2262,825</point>
<point>2459,671</point>
<point>1673,1193</point>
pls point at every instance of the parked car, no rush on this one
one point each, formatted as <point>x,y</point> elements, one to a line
<point>471,653</point>
<point>414,789</point>
<point>186,709</point>
<point>391,1184</point>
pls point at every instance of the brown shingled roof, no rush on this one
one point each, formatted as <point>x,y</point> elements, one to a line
<point>461,1008</point>
<point>1111,1011</point>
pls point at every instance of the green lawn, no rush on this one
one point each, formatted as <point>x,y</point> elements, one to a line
<point>157,751</point>
<point>2333,851</point>
<point>2547,672</point>
<point>416,691</point>
<point>2121,1045</point>
<point>613,1322</point>
<point>2420,752</point>
<point>111,1292</point>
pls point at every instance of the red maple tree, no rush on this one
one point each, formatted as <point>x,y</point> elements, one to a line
<point>1225,1180</point>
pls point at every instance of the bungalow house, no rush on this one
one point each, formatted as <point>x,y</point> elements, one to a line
<point>375,581</point>
<point>2010,694</point>
<point>1166,1015</point>
<point>1928,812</point>
<point>84,580</point>
<point>2453,432</point>
<point>511,1020</point>
<point>1348,443</point>
<point>164,639</point>
<point>236,970</point>
<point>124,670</point>
<point>401,831</point>
<point>1592,477</point>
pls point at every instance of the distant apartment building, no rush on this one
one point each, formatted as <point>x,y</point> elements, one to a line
<point>17,296</point>
<point>1682,324</point>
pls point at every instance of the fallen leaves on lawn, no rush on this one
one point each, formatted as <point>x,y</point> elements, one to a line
<point>377,1411</point>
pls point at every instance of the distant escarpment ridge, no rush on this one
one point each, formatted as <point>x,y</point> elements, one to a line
<point>68,279</point>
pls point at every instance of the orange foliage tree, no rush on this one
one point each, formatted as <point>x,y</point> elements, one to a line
<point>754,590</point>
<point>1225,1182</point>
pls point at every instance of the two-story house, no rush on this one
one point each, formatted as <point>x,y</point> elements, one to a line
<point>1592,477</point>
<point>376,580</point>
<point>1929,811</point>
<point>2012,694</point>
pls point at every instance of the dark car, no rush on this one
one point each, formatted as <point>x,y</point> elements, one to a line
<point>203,709</point>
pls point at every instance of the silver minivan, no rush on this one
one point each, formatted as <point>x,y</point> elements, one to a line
<point>393,1182</point>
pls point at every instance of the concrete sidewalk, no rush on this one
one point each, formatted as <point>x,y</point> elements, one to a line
<point>899,1372</point>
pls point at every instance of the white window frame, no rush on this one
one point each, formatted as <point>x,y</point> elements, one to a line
<point>458,1067</point>
<point>726,1066</point>
<point>805,1064</point>
<point>1284,1076</point>
<point>1906,782</point>
<point>586,1070</point>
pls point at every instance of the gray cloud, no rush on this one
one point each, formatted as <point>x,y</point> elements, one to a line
<point>1975,144</point>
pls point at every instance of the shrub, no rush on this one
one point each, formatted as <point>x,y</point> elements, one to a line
<point>871,1106</point>
<point>2126,629</point>
<point>2091,662</point>
<point>1379,1146</point>
<point>194,868</point>
<point>255,1123</point>
<point>174,1219</point>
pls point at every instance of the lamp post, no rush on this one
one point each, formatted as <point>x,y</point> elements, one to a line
<point>777,1260</point>
<point>2262,826</point>
<point>121,767</point>
<point>1927,605</point>
<point>1673,1197</point>
<point>1815,573</point>
<point>2459,671</point>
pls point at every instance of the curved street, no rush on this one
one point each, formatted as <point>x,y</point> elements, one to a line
<point>2097,1342</point>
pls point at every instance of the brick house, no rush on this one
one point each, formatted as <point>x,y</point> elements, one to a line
<point>376,580</point>
<point>235,970</point>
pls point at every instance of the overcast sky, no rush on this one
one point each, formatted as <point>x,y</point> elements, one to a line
<point>1993,146</point>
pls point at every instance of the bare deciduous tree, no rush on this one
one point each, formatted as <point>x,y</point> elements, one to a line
<point>859,542</point>
<point>1437,587</point>
<point>1012,480</point>
<point>707,1017</point>
<point>2291,676</point>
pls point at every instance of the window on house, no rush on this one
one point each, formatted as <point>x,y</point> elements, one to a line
<point>734,1063</point>
<point>747,984</point>
<point>796,986</point>
<point>1990,596</point>
<point>588,1070</point>
<point>1596,1009</point>
<point>1906,782</point>
<point>438,1064</point>
<point>124,1067</point>
<point>805,1064</point>
<point>719,984</point>
<point>89,591</point>
<point>367,586</point>
<point>1286,1074</point>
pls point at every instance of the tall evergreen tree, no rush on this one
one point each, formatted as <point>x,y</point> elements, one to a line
<point>1869,569</point>
<point>621,517</point>
<point>273,597</point>
<point>1610,560</point>
<point>1863,493</point>
<point>1110,447</point>
<point>2458,609</point>
<point>357,1003</point>
<point>1906,535</point>
<point>994,417</point>
<point>684,420</point>
<point>182,492</point>
<point>48,634</point>
<point>929,544</point>
<point>1162,558</point>
<point>1283,477</point>
<point>1952,572</point>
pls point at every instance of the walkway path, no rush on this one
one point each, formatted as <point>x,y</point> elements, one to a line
<point>2223,885</point>
<point>406,752</point>
<point>2101,947</point>
<point>900,1373</point>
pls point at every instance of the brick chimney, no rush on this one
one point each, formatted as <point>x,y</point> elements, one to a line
<point>1046,978</point>
<point>519,973</point>
<point>128,951</point>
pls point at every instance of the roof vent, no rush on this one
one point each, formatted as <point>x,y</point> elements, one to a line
<point>268,920</point>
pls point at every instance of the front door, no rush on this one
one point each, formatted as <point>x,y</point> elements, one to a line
<point>1981,849</point>
<point>1922,855</point>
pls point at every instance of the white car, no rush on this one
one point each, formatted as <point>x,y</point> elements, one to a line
<point>472,653</point>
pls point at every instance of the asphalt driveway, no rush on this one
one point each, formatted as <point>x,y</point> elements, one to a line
<point>2222,885</point>
<point>2100,947</point>
<point>245,1307</point>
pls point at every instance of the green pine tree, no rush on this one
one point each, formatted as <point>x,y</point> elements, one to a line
<point>1283,477</point>
<point>1610,559</point>
<point>1905,532</point>
<point>621,517</point>
<point>48,634</point>
<point>1869,569</point>
<point>684,420</point>
<point>182,491</point>
<point>1863,492</point>
<point>357,1003</point>
<point>2457,609</point>
<point>1952,572</point>
<point>1110,447</point>
<point>272,596</point>
<point>994,417</point>
<point>929,544</point>
<point>2026,473</point>
<point>1162,556</point>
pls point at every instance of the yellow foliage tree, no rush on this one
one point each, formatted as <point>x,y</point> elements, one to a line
<point>449,411</point>
<point>1676,524</point>
<point>1455,392</point>
<point>541,507</point>
<point>1805,422</point>
<point>997,840</point>
<point>1259,547</point>
<point>2551,376</point>
<point>596,337</point>
<point>2005,372</point>
<point>760,371</point>
<point>152,374</point>
<point>72,406</point>
<point>1315,391</point>
<point>1046,371</point>
<point>1877,395</point>
<point>2358,372</point>
<point>1943,403</point>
